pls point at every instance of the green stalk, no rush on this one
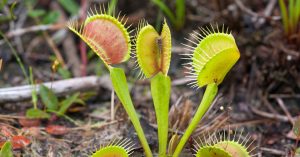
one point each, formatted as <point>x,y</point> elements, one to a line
<point>112,6</point>
<point>284,16</point>
<point>297,11</point>
<point>34,98</point>
<point>180,13</point>
<point>291,16</point>
<point>166,10</point>
<point>121,88</point>
<point>208,97</point>
<point>160,90</point>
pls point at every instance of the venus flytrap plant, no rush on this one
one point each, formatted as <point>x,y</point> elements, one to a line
<point>120,148</point>
<point>223,145</point>
<point>153,54</point>
<point>213,55</point>
<point>108,37</point>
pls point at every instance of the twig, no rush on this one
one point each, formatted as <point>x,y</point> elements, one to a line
<point>174,131</point>
<point>270,7</point>
<point>20,93</point>
<point>2,116</point>
<point>249,123</point>
<point>112,106</point>
<point>240,4</point>
<point>0,64</point>
<point>273,151</point>
<point>82,45</point>
<point>21,31</point>
<point>259,141</point>
<point>270,115</point>
<point>285,110</point>
<point>97,125</point>
<point>54,48</point>
<point>284,96</point>
<point>181,81</point>
<point>286,50</point>
<point>70,49</point>
<point>179,50</point>
<point>267,103</point>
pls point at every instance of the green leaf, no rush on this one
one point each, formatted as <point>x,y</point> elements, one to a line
<point>51,17</point>
<point>180,13</point>
<point>79,101</point>
<point>167,11</point>
<point>121,88</point>
<point>6,150</point>
<point>284,16</point>
<point>36,13</point>
<point>160,90</point>
<point>30,3</point>
<point>48,97</point>
<point>297,11</point>
<point>11,10</point>
<point>70,5</point>
<point>3,3</point>
<point>37,113</point>
<point>64,73</point>
<point>65,104</point>
<point>87,95</point>
<point>112,6</point>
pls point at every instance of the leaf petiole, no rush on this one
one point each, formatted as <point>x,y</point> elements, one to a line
<point>208,97</point>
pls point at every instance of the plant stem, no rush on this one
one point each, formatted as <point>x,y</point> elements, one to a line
<point>208,97</point>
<point>121,88</point>
<point>180,13</point>
<point>112,7</point>
<point>160,90</point>
<point>165,9</point>
<point>34,98</point>
<point>284,16</point>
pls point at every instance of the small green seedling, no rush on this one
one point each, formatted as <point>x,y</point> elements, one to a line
<point>214,54</point>
<point>153,53</point>
<point>223,145</point>
<point>52,104</point>
<point>121,148</point>
<point>108,37</point>
<point>291,16</point>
